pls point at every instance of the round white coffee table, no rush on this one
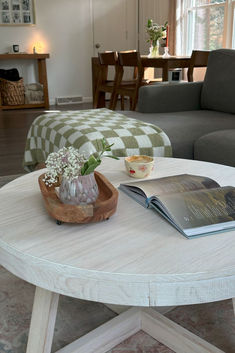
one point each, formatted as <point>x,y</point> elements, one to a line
<point>136,258</point>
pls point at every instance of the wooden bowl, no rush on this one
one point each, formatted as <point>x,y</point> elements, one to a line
<point>104,207</point>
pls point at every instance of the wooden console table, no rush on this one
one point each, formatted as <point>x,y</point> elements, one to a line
<point>42,77</point>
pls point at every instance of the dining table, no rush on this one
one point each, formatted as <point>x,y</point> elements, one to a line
<point>164,63</point>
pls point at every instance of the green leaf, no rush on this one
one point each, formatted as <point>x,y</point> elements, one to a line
<point>95,159</point>
<point>149,24</point>
<point>92,160</point>
<point>84,168</point>
<point>114,157</point>
<point>92,167</point>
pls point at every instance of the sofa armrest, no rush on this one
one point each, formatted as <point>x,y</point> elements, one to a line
<point>165,97</point>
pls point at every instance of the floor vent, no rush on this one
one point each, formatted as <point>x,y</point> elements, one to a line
<point>68,100</point>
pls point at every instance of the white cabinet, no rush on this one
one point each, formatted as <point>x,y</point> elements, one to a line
<point>121,24</point>
<point>114,25</point>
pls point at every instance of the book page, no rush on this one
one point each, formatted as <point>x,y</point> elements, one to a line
<point>174,184</point>
<point>201,208</point>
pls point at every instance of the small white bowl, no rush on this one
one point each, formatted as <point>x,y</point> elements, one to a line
<point>139,166</point>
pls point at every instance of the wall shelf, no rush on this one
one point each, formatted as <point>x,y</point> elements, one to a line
<point>22,106</point>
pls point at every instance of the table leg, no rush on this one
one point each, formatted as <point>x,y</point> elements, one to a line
<point>42,321</point>
<point>165,71</point>
<point>42,76</point>
<point>96,68</point>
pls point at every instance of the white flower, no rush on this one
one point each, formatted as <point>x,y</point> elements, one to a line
<point>67,162</point>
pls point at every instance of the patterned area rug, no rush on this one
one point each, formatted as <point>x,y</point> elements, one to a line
<point>215,322</point>
<point>6,179</point>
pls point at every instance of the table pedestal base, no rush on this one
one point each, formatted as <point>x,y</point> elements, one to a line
<point>113,332</point>
<point>118,309</point>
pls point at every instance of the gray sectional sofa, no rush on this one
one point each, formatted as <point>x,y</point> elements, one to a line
<point>198,117</point>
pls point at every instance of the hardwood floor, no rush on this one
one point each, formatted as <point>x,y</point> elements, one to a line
<point>14,126</point>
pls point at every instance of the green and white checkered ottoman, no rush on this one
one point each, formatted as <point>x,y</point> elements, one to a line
<point>81,129</point>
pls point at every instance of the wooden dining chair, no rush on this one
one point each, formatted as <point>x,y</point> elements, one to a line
<point>128,59</point>
<point>104,85</point>
<point>199,58</point>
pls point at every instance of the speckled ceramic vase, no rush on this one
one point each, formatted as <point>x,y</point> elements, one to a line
<point>81,191</point>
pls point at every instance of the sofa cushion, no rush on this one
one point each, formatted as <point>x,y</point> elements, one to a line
<point>184,128</point>
<point>219,84</point>
<point>216,147</point>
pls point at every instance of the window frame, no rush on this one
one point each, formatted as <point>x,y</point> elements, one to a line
<point>191,11</point>
<point>183,38</point>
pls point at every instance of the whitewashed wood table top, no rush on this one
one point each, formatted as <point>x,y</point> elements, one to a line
<point>134,258</point>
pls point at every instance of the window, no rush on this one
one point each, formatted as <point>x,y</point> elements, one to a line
<point>205,24</point>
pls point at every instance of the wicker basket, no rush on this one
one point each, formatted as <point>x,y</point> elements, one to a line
<point>12,92</point>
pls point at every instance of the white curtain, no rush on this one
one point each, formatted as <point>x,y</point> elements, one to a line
<point>172,26</point>
<point>181,26</point>
<point>229,31</point>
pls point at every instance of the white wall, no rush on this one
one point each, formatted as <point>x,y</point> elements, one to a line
<point>65,30</point>
<point>158,11</point>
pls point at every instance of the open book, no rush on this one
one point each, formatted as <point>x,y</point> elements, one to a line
<point>195,205</point>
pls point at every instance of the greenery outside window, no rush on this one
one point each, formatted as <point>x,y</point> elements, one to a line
<point>205,25</point>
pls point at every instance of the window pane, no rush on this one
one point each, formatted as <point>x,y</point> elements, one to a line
<point>206,26</point>
<point>207,2</point>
